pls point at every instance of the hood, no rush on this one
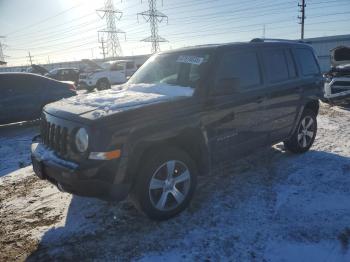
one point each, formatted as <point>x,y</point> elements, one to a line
<point>340,56</point>
<point>91,65</point>
<point>118,99</point>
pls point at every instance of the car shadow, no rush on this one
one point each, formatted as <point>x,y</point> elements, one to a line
<point>90,222</point>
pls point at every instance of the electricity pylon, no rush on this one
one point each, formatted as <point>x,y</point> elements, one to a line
<point>153,16</point>
<point>111,15</point>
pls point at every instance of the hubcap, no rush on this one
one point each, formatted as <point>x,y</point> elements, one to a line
<point>169,185</point>
<point>306,131</point>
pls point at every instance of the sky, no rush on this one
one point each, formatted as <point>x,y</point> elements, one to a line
<point>66,30</point>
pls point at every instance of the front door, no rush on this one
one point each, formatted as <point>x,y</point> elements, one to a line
<point>234,120</point>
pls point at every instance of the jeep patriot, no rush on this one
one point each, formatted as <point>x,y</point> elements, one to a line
<point>179,116</point>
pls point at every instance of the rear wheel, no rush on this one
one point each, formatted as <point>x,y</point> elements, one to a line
<point>165,183</point>
<point>103,84</point>
<point>305,133</point>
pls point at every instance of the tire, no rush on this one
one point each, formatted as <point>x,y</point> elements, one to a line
<point>305,133</point>
<point>154,171</point>
<point>103,85</point>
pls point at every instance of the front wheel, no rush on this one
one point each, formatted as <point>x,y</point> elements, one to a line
<point>103,85</point>
<point>165,183</point>
<point>304,135</point>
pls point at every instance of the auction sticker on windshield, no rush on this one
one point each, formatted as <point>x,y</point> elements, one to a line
<point>188,59</point>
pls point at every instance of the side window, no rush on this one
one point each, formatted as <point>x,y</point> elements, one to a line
<point>276,65</point>
<point>129,65</point>
<point>116,67</point>
<point>244,66</point>
<point>307,61</point>
<point>291,65</point>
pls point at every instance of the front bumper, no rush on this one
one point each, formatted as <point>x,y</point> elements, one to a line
<point>77,179</point>
<point>333,92</point>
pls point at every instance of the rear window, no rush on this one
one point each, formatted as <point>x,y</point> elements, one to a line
<point>244,66</point>
<point>276,65</point>
<point>307,61</point>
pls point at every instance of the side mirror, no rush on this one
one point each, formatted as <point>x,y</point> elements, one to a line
<point>227,86</point>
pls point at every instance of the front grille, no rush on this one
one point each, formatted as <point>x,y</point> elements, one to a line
<point>82,76</point>
<point>55,137</point>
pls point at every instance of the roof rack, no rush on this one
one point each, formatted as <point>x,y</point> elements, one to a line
<point>261,40</point>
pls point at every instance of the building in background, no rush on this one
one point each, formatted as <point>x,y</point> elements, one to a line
<point>138,59</point>
<point>324,45</point>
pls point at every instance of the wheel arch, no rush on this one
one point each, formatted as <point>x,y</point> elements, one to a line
<point>313,105</point>
<point>190,141</point>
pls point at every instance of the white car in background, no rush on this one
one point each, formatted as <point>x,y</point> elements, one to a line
<point>109,73</point>
<point>337,85</point>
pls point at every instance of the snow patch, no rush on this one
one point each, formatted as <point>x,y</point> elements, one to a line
<point>126,97</point>
<point>326,123</point>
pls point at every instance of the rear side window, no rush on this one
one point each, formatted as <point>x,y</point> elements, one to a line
<point>307,61</point>
<point>276,65</point>
<point>244,66</point>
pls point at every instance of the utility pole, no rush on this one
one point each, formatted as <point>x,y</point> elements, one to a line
<point>302,17</point>
<point>2,56</point>
<point>30,58</point>
<point>111,15</point>
<point>102,41</point>
<point>153,16</point>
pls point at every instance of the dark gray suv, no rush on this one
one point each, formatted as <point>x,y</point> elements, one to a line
<point>180,115</point>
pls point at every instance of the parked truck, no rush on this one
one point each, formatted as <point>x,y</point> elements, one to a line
<point>108,73</point>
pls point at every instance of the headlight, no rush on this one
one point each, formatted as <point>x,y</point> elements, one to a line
<point>82,140</point>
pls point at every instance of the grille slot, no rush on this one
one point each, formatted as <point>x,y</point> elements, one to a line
<point>55,137</point>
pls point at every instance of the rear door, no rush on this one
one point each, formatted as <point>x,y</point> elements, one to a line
<point>235,119</point>
<point>284,92</point>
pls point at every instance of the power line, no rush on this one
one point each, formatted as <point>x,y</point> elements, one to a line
<point>153,16</point>
<point>44,20</point>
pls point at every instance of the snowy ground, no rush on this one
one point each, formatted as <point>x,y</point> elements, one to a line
<point>271,206</point>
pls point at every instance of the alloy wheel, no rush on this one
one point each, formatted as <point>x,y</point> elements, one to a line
<point>169,185</point>
<point>306,131</point>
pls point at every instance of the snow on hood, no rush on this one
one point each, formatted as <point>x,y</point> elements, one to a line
<point>121,98</point>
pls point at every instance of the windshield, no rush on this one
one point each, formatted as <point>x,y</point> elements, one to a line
<point>181,69</point>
